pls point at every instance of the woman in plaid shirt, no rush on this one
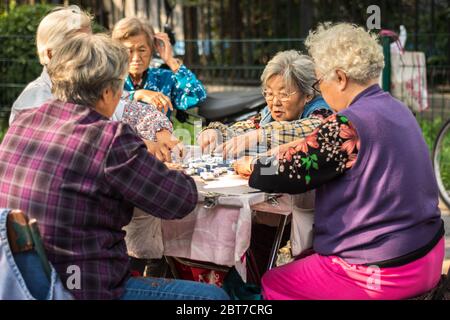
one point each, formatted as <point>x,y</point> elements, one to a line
<point>80,175</point>
<point>54,29</point>
<point>293,110</point>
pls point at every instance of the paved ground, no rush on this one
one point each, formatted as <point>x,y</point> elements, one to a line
<point>446,217</point>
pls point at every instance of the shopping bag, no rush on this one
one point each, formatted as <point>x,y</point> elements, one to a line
<point>409,79</point>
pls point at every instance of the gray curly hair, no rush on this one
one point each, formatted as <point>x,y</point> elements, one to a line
<point>297,70</point>
<point>348,47</point>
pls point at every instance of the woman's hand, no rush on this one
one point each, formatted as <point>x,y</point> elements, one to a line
<point>158,99</point>
<point>208,140</point>
<point>244,166</point>
<point>164,145</point>
<point>234,147</point>
<point>281,150</point>
<point>169,143</point>
<point>152,147</point>
<point>165,50</point>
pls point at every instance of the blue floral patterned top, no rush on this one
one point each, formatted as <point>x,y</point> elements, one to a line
<point>183,88</point>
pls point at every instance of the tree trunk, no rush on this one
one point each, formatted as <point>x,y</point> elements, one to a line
<point>236,27</point>
<point>190,33</point>
<point>306,17</point>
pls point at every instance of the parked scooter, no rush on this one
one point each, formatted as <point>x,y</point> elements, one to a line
<point>227,107</point>
<point>231,106</point>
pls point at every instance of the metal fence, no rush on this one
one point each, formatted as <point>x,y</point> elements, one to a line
<point>438,111</point>
<point>233,61</point>
<point>439,93</point>
<point>240,63</point>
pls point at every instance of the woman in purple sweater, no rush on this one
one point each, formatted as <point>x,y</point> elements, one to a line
<point>377,230</point>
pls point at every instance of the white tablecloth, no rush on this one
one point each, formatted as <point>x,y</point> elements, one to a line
<point>220,234</point>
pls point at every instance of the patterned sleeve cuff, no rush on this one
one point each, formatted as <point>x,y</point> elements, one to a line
<point>153,123</point>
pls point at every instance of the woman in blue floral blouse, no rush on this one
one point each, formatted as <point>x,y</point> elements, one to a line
<point>166,89</point>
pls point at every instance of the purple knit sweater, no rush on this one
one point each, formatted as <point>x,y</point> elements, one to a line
<point>386,206</point>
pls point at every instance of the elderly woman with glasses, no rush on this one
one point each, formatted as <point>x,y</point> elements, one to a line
<point>293,109</point>
<point>80,175</point>
<point>166,89</point>
<point>378,233</point>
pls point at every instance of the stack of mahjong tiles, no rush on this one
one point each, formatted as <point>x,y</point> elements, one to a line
<point>209,167</point>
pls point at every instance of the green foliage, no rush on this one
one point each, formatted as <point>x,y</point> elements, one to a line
<point>445,165</point>
<point>430,130</point>
<point>190,133</point>
<point>19,63</point>
<point>18,58</point>
<point>3,129</point>
<point>17,31</point>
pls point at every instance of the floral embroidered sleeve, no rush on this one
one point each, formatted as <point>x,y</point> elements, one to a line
<point>188,90</point>
<point>322,156</point>
<point>277,133</point>
<point>145,119</point>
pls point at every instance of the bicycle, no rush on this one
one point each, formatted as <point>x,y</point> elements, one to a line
<point>441,162</point>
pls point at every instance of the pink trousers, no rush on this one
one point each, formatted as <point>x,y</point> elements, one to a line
<point>331,278</point>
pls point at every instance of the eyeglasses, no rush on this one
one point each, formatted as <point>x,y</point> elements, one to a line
<point>316,84</point>
<point>282,96</point>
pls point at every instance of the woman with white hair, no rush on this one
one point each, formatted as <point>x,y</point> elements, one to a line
<point>378,233</point>
<point>80,175</point>
<point>53,32</point>
<point>293,109</point>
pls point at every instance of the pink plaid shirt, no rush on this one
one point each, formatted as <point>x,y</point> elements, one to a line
<point>80,175</point>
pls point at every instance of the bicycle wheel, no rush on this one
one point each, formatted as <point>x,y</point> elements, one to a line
<point>441,162</point>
